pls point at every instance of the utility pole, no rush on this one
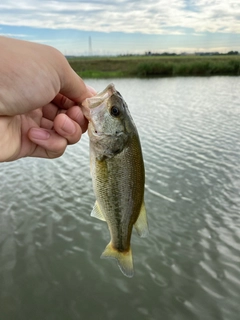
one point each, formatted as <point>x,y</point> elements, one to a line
<point>89,46</point>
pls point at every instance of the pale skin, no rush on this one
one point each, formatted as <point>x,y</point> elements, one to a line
<point>40,101</point>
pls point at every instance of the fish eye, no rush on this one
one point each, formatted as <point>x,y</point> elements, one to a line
<point>115,112</point>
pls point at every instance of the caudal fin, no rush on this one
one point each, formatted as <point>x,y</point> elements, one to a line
<point>124,259</point>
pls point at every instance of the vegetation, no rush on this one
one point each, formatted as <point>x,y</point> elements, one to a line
<point>155,66</point>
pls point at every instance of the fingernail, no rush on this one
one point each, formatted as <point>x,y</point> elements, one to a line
<point>39,134</point>
<point>68,126</point>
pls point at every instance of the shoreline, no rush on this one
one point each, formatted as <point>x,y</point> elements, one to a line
<point>155,66</point>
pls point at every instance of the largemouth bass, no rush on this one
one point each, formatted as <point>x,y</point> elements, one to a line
<point>117,171</point>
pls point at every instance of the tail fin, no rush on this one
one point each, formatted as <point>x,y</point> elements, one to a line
<point>124,259</point>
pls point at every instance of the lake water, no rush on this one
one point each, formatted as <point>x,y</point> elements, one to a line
<point>189,266</point>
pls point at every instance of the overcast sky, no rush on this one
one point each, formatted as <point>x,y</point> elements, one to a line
<point>123,26</point>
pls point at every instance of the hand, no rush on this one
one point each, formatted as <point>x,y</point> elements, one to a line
<point>40,99</point>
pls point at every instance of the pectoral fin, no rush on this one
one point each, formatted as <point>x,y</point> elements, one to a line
<point>141,224</point>
<point>124,259</point>
<point>97,213</point>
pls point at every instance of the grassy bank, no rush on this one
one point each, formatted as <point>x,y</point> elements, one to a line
<point>155,66</point>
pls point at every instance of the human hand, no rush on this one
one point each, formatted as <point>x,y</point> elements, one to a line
<point>40,99</point>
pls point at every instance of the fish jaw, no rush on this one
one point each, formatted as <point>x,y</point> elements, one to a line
<point>97,100</point>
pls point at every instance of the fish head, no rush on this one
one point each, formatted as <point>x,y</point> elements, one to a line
<point>108,117</point>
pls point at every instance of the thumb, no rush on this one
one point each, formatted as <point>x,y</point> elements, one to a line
<point>73,87</point>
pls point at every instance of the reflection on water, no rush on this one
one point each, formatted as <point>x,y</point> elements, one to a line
<point>189,267</point>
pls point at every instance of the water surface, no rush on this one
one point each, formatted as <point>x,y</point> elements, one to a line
<point>188,268</point>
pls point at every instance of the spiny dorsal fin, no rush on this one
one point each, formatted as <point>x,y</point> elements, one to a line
<point>141,224</point>
<point>97,213</point>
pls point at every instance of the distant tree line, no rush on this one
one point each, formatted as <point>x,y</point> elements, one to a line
<point>149,53</point>
<point>232,52</point>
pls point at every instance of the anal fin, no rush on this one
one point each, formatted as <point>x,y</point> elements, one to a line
<point>141,225</point>
<point>97,213</point>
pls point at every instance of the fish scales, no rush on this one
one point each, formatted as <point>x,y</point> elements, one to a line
<point>118,181</point>
<point>117,170</point>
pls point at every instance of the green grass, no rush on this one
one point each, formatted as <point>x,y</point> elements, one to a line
<point>155,66</point>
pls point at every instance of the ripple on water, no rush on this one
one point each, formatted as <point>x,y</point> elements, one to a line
<point>188,266</point>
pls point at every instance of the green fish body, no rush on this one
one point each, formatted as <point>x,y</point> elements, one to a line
<point>117,171</point>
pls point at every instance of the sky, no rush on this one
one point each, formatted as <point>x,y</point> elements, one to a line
<point>113,27</point>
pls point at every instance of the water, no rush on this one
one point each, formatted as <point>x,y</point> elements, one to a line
<point>189,267</point>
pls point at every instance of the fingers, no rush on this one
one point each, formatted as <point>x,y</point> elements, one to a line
<point>49,143</point>
<point>63,102</point>
<point>67,128</point>
<point>52,143</point>
<point>46,124</point>
<point>51,112</point>
<point>75,113</point>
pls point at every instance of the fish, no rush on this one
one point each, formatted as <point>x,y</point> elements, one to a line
<point>117,171</point>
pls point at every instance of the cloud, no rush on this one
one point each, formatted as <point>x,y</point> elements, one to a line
<point>138,25</point>
<point>137,16</point>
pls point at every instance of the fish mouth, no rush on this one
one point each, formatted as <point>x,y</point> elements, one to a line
<point>92,105</point>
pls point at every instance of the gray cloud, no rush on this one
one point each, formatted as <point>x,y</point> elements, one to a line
<point>149,17</point>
